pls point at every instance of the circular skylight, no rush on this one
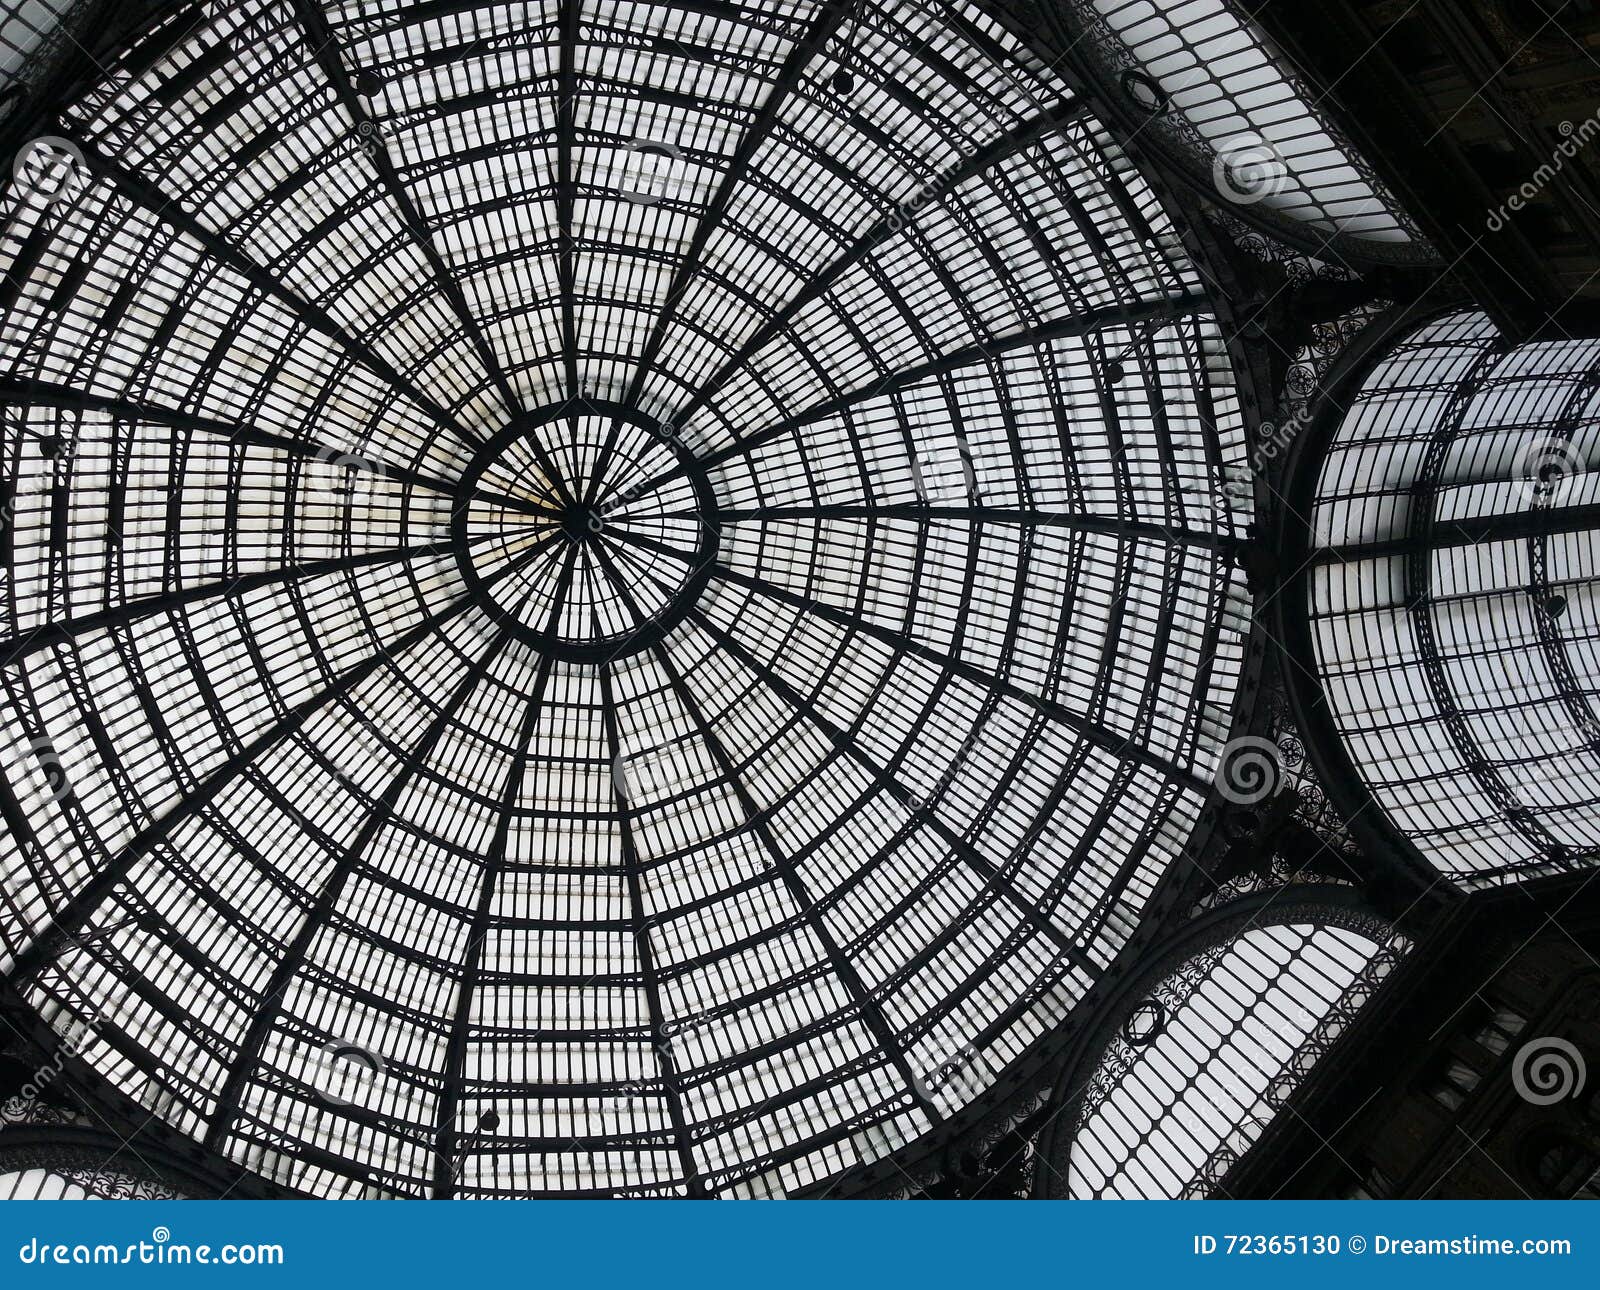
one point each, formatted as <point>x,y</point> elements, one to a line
<point>594,607</point>
<point>583,532</point>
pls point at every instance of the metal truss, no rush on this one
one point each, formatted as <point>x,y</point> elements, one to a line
<point>592,606</point>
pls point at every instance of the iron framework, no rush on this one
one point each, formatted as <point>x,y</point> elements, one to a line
<point>592,607</point>
<point>1448,589</point>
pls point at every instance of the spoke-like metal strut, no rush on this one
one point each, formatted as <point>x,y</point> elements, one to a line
<point>447,1132</point>
<point>70,919</point>
<point>868,1008</point>
<point>163,208</point>
<point>270,1005</point>
<point>1166,308</point>
<point>130,611</point>
<point>666,1059</point>
<point>823,26</point>
<point>1109,740</point>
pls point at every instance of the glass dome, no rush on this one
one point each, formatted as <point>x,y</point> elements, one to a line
<point>598,595</point>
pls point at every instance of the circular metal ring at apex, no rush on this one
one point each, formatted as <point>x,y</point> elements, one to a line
<point>613,503</point>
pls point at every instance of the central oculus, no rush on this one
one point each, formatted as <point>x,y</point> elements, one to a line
<point>586,529</point>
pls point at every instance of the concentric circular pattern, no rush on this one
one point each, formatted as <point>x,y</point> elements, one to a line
<point>392,859</point>
<point>587,534</point>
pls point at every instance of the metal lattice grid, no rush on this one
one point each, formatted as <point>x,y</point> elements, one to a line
<point>1223,102</point>
<point>1210,1050</point>
<point>1452,597</point>
<point>414,806</point>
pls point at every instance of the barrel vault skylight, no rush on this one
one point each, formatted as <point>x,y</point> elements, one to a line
<point>600,598</point>
<point>1451,597</point>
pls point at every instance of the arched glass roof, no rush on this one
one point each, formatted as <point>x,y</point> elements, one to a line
<point>1211,1048</point>
<point>595,592</point>
<point>1451,597</point>
<point>1216,94</point>
<point>28,27</point>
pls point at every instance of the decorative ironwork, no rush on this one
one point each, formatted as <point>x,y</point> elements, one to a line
<point>613,614</point>
<point>1238,122</point>
<point>1320,962</point>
